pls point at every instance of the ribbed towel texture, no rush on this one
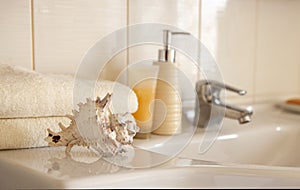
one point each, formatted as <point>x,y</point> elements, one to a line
<point>26,93</point>
<point>27,132</point>
<point>31,102</point>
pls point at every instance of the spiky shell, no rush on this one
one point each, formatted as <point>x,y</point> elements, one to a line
<point>94,125</point>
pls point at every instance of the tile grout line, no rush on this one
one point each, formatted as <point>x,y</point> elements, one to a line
<point>32,35</point>
<point>255,51</point>
<point>127,39</point>
<point>199,35</point>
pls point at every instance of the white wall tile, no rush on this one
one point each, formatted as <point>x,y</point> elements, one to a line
<point>65,30</point>
<point>278,47</point>
<point>256,43</point>
<point>228,32</point>
<point>15,33</point>
<point>179,13</point>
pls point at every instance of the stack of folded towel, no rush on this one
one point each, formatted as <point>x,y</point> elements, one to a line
<point>31,102</point>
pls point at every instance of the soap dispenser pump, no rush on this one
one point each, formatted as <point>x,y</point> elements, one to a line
<point>168,54</point>
<point>167,108</point>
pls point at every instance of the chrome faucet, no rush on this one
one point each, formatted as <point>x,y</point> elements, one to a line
<point>208,94</point>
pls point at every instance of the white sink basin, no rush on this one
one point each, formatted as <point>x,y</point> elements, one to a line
<point>263,153</point>
<point>197,177</point>
<point>47,168</point>
<point>271,139</point>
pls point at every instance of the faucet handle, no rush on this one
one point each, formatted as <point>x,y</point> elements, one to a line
<point>236,90</point>
<point>225,86</point>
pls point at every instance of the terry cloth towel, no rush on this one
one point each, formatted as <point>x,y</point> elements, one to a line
<point>25,93</point>
<point>31,102</point>
<point>27,132</point>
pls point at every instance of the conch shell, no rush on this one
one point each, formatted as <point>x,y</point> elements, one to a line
<point>96,127</point>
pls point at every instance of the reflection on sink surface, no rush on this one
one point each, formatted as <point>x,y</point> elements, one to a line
<point>271,139</point>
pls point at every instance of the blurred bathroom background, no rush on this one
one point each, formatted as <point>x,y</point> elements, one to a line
<point>256,43</point>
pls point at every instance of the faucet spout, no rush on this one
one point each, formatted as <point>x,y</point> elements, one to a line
<point>209,95</point>
<point>241,115</point>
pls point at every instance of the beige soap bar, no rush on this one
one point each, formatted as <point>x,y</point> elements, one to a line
<point>295,101</point>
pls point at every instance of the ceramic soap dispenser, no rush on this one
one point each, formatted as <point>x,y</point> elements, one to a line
<point>167,109</point>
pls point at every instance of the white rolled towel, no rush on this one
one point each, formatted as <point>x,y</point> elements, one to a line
<point>25,93</point>
<point>27,132</point>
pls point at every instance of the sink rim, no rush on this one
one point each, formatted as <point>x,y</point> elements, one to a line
<point>285,124</point>
<point>284,175</point>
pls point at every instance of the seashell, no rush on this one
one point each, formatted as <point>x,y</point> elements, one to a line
<point>96,127</point>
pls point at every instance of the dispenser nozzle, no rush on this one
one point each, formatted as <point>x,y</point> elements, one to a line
<point>168,37</point>
<point>168,54</point>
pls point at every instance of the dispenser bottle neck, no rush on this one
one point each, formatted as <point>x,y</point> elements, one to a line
<point>167,55</point>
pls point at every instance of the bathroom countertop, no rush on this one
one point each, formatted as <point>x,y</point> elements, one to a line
<point>48,167</point>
